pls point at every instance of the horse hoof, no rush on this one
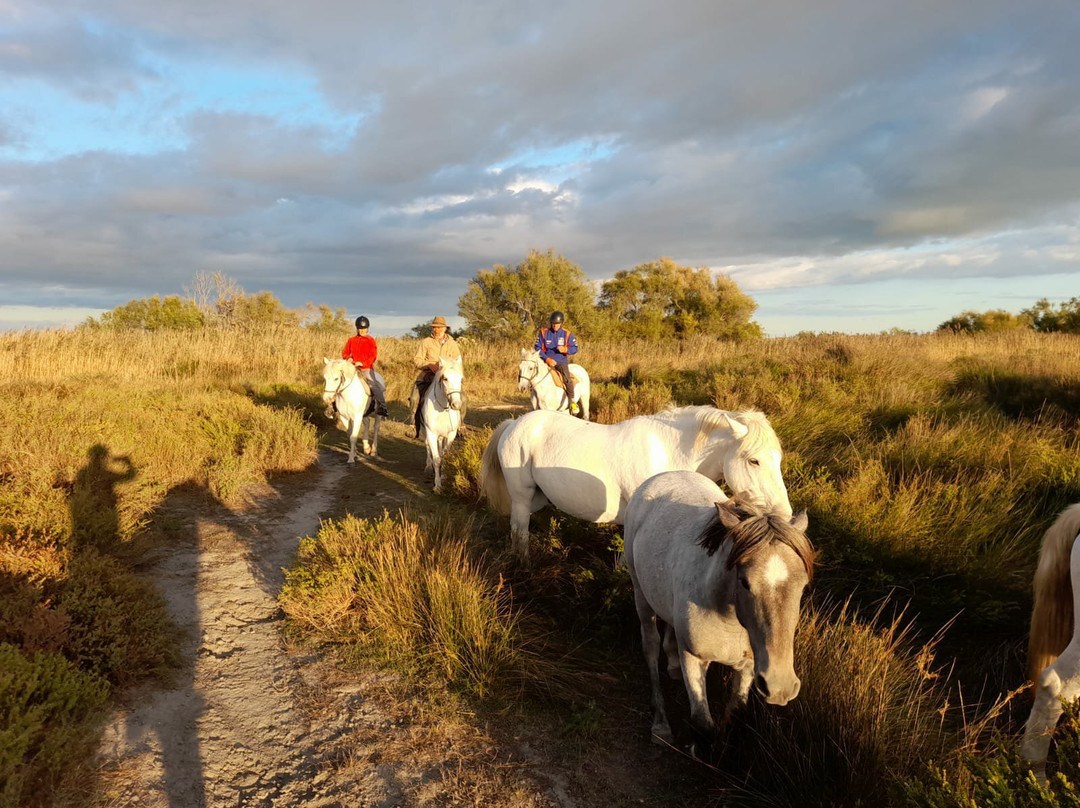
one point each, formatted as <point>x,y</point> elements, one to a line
<point>662,736</point>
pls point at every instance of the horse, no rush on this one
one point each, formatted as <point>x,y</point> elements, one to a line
<point>441,413</point>
<point>590,470</point>
<point>353,405</point>
<point>726,581</point>
<point>536,377</point>
<point>1054,643</point>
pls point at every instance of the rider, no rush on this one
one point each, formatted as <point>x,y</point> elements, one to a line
<point>556,345</point>
<point>362,351</point>
<point>440,345</point>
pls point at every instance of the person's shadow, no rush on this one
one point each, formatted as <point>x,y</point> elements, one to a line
<point>95,518</point>
<point>171,714</point>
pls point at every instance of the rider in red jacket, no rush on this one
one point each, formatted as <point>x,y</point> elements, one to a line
<point>363,352</point>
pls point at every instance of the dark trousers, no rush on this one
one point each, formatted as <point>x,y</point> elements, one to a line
<point>563,369</point>
<point>422,385</point>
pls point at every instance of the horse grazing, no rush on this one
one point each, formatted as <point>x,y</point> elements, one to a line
<point>536,377</point>
<point>354,404</point>
<point>1054,645</point>
<point>727,582</point>
<point>590,470</point>
<point>441,413</point>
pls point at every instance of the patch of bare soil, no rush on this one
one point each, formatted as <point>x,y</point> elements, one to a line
<point>250,721</point>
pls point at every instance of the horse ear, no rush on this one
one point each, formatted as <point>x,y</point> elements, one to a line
<point>738,430</point>
<point>800,521</point>
<point>325,361</point>
<point>725,511</point>
<point>524,353</point>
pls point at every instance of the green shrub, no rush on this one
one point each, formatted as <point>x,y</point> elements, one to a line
<point>47,721</point>
<point>997,777</point>
<point>119,623</point>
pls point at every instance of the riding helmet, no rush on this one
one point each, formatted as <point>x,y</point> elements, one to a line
<point>556,317</point>
<point>362,322</point>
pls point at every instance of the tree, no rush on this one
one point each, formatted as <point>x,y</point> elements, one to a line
<point>153,314</point>
<point>515,303</point>
<point>661,299</point>
<point>324,319</point>
<point>980,322</point>
<point>1045,317</point>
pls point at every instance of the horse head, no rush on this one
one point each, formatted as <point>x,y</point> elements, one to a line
<point>337,373</point>
<point>527,370</point>
<point>450,377</point>
<point>749,457</point>
<point>769,563</point>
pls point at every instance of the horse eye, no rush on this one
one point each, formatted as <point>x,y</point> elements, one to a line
<point>745,584</point>
<point>754,461</point>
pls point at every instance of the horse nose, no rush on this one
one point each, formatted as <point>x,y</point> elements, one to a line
<point>761,685</point>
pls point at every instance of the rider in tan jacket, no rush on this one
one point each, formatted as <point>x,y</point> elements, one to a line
<point>440,345</point>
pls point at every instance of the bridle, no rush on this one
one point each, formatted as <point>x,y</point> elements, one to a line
<point>342,384</point>
<point>441,386</point>
<point>532,380</point>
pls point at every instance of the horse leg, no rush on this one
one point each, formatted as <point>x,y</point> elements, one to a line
<point>354,431</point>
<point>375,437</point>
<point>519,528</point>
<point>585,403</point>
<point>365,444</point>
<point>435,458</point>
<point>701,723</point>
<point>1061,680</point>
<point>740,688</point>
<point>671,651</point>
<point>650,646</point>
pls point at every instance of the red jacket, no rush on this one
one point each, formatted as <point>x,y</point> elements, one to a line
<point>361,350</point>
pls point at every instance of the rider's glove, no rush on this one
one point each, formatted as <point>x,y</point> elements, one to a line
<point>550,361</point>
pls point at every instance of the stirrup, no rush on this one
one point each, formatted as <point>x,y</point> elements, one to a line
<point>329,412</point>
<point>380,410</point>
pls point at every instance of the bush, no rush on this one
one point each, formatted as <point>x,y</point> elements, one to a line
<point>998,777</point>
<point>47,712</point>
<point>408,594</point>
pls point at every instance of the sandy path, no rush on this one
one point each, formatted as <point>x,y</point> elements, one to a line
<point>232,732</point>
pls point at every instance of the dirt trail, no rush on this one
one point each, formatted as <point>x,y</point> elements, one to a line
<point>251,722</point>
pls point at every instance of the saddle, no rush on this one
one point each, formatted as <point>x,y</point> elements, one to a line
<point>562,384</point>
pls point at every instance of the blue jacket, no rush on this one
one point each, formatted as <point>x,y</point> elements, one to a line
<point>548,341</point>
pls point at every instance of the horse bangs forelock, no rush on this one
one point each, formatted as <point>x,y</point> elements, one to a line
<point>754,532</point>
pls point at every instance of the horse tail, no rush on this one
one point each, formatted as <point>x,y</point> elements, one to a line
<point>492,479</point>
<point>1052,615</point>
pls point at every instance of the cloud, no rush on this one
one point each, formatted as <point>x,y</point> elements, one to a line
<point>388,156</point>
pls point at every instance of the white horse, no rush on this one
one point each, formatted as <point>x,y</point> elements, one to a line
<point>1054,647</point>
<point>590,470</point>
<point>726,581</point>
<point>441,413</point>
<point>344,386</point>
<point>536,377</point>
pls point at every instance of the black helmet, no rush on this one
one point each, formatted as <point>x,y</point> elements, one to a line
<point>556,317</point>
<point>362,322</point>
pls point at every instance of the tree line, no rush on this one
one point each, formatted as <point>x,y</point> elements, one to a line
<point>654,300</point>
<point>216,300</point>
<point>1043,316</point>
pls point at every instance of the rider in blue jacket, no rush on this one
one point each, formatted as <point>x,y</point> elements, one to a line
<point>556,345</point>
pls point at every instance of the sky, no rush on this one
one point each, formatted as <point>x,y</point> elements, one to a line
<point>854,165</point>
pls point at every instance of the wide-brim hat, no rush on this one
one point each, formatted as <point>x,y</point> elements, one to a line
<point>438,321</point>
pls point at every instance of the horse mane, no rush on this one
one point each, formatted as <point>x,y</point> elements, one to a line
<point>1052,615</point>
<point>759,432</point>
<point>754,532</point>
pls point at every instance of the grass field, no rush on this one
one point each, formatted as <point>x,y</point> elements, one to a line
<point>929,465</point>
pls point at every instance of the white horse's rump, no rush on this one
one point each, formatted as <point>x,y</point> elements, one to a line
<point>536,377</point>
<point>727,582</point>
<point>590,470</point>
<point>1054,649</point>
<point>442,414</point>
<point>344,386</point>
